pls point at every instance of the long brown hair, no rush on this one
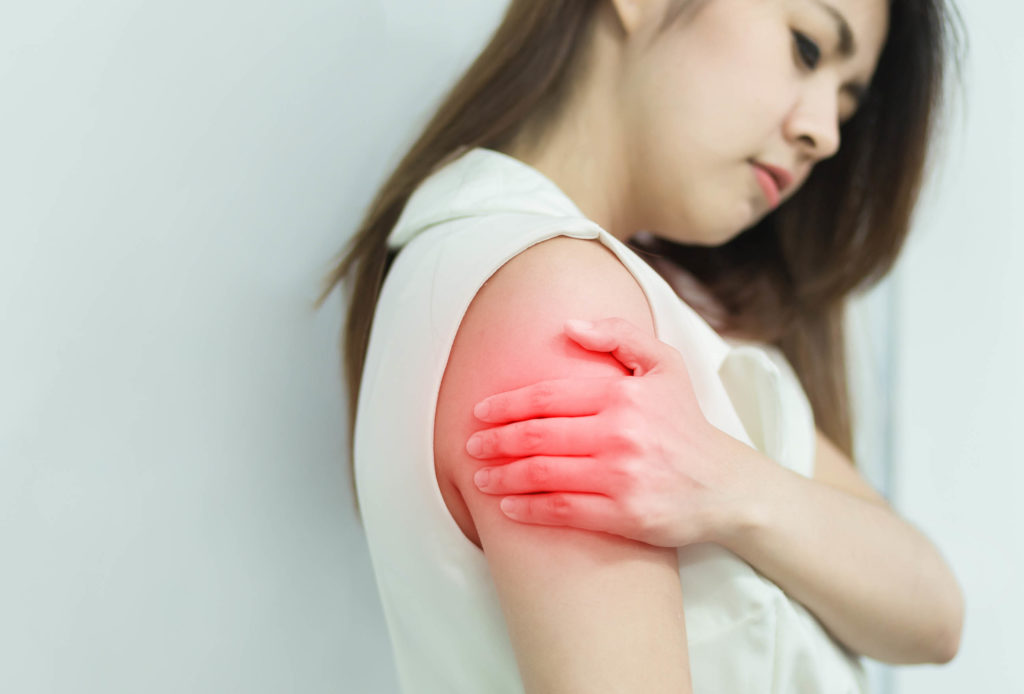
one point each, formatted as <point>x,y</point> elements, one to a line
<point>784,281</point>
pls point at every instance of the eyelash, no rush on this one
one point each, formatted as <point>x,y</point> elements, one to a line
<point>803,42</point>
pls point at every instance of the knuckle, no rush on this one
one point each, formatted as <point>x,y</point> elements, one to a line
<point>558,506</point>
<point>639,519</point>
<point>540,397</point>
<point>643,518</point>
<point>628,474</point>
<point>539,472</point>
<point>673,355</point>
<point>617,438</point>
<point>531,435</point>
<point>625,436</point>
<point>627,390</point>
<point>631,481</point>
<point>622,477</point>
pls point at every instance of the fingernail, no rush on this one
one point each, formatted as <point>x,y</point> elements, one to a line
<point>482,409</point>
<point>509,506</point>
<point>481,477</point>
<point>474,445</point>
<point>579,324</point>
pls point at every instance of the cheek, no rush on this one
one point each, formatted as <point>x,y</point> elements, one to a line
<point>691,130</point>
<point>729,112</point>
<point>744,85</point>
<point>688,202</point>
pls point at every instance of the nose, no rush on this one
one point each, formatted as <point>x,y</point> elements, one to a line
<point>813,123</point>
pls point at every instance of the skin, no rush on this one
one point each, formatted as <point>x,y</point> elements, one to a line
<point>660,138</point>
<point>585,611</point>
<point>634,457</point>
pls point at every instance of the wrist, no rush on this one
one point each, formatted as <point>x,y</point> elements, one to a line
<point>747,510</point>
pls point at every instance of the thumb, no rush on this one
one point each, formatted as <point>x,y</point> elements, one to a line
<point>634,348</point>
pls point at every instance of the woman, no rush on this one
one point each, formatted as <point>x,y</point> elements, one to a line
<point>698,449</point>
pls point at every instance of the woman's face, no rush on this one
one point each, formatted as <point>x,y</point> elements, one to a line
<point>732,84</point>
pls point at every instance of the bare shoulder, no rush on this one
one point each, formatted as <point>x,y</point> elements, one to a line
<point>586,611</point>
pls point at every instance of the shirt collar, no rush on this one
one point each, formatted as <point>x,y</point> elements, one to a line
<point>479,181</point>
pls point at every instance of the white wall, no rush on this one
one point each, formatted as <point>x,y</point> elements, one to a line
<point>939,370</point>
<point>174,508</point>
<point>958,374</point>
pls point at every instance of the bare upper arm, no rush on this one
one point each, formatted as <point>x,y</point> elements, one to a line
<point>832,467</point>
<point>586,611</point>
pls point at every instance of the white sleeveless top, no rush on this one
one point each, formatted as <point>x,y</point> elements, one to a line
<point>448,633</point>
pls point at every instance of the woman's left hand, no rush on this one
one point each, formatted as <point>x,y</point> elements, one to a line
<point>628,455</point>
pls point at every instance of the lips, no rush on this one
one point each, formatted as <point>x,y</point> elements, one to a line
<point>773,179</point>
<point>768,185</point>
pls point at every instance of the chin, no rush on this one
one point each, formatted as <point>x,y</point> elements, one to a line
<point>706,233</point>
<point>722,237</point>
<point>707,239</point>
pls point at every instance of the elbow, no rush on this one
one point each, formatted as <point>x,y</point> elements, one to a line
<point>946,650</point>
<point>948,643</point>
<point>950,646</point>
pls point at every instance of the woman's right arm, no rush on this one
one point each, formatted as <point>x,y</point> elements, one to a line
<point>586,611</point>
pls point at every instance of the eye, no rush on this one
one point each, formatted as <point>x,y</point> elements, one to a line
<point>809,51</point>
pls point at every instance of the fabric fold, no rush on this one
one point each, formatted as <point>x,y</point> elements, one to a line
<point>754,385</point>
<point>475,211</point>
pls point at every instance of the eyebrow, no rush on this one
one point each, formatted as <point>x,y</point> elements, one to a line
<point>847,46</point>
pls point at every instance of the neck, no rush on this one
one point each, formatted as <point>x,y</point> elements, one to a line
<point>583,153</point>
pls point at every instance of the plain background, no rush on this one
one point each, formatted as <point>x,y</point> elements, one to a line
<point>174,504</point>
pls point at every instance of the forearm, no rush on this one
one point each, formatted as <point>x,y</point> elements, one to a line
<point>873,580</point>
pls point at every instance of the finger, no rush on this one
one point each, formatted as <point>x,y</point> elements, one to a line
<point>585,511</point>
<point>562,397</point>
<point>546,474</point>
<point>549,436</point>
<point>636,350</point>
